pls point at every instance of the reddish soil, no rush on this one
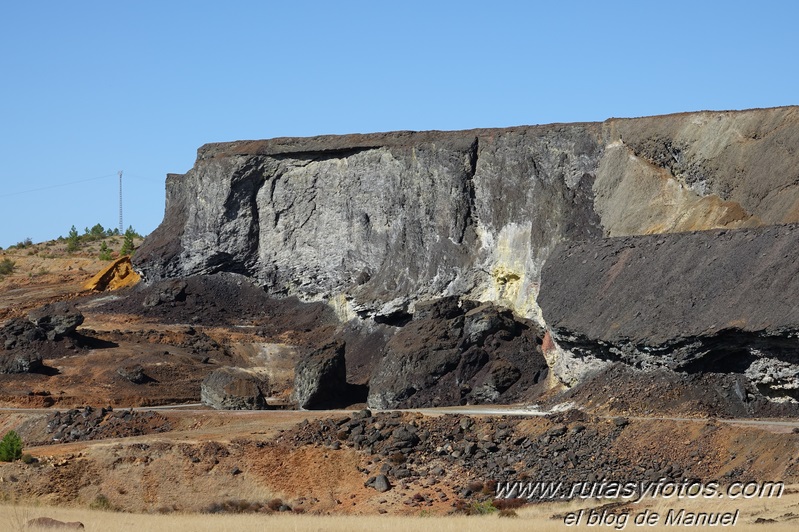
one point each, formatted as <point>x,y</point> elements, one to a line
<point>203,460</point>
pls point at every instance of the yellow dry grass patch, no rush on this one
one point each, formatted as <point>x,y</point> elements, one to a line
<point>12,518</point>
<point>537,517</point>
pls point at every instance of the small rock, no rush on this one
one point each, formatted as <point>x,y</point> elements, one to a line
<point>381,484</point>
<point>621,421</point>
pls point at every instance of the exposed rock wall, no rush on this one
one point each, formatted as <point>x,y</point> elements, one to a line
<point>721,301</point>
<point>373,223</point>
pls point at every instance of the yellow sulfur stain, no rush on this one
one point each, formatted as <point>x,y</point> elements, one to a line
<point>118,274</point>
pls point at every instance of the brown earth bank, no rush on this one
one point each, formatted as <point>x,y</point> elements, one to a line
<point>355,462</point>
<point>360,462</point>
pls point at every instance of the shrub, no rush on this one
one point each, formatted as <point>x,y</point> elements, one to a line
<point>6,266</point>
<point>73,240</point>
<point>509,504</point>
<point>475,508</point>
<point>490,487</point>
<point>274,504</point>
<point>105,252</point>
<point>100,502</point>
<point>28,459</point>
<point>127,243</point>
<point>10,447</point>
<point>234,506</point>
<point>475,486</point>
<point>397,458</point>
<point>483,508</point>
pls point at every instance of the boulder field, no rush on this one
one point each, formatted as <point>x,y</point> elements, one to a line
<point>489,265</point>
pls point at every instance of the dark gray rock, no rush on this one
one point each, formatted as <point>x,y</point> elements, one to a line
<point>448,357</point>
<point>320,379</point>
<point>381,484</point>
<point>47,332</point>
<point>376,225</point>
<point>621,422</point>
<point>364,413</point>
<point>166,292</point>
<point>232,388</point>
<point>443,308</point>
<point>722,301</point>
<point>133,372</point>
<point>56,319</point>
<point>501,376</point>
<point>20,362</point>
<point>483,321</point>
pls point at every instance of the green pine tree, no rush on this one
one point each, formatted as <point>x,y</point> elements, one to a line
<point>10,447</point>
<point>127,243</point>
<point>73,240</point>
<point>105,251</point>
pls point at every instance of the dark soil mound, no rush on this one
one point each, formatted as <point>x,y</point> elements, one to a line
<point>219,299</point>
<point>621,389</point>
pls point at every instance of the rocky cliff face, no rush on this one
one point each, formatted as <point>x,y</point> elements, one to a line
<point>373,224</point>
<point>710,301</point>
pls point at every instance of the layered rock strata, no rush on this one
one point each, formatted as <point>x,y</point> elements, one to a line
<point>372,225</point>
<point>710,301</point>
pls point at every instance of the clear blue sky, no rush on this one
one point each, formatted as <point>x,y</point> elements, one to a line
<point>90,88</point>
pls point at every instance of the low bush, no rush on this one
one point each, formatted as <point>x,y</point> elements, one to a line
<point>10,447</point>
<point>234,506</point>
<point>7,266</point>
<point>483,508</point>
<point>105,252</point>
<point>100,502</point>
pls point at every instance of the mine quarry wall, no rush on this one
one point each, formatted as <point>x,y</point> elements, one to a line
<point>373,224</point>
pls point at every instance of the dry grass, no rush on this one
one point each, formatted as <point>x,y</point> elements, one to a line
<point>12,517</point>
<point>539,518</point>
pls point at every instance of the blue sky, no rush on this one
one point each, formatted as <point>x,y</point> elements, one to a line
<point>91,88</point>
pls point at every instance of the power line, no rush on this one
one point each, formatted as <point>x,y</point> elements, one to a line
<point>54,186</point>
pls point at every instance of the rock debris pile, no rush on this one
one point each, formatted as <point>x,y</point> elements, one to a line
<point>472,455</point>
<point>90,423</point>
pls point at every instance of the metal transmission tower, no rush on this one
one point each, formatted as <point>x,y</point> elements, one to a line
<point>120,202</point>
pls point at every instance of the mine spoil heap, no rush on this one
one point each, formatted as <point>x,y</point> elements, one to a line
<point>484,266</point>
<point>637,279</point>
<point>661,242</point>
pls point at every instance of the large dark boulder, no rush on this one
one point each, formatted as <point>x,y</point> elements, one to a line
<point>133,373</point>
<point>454,354</point>
<point>48,331</point>
<point>232,388</point>
<point>56,320</point>
<point>320,379</point>
<point>20,362</point>
<point>166,292</point>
